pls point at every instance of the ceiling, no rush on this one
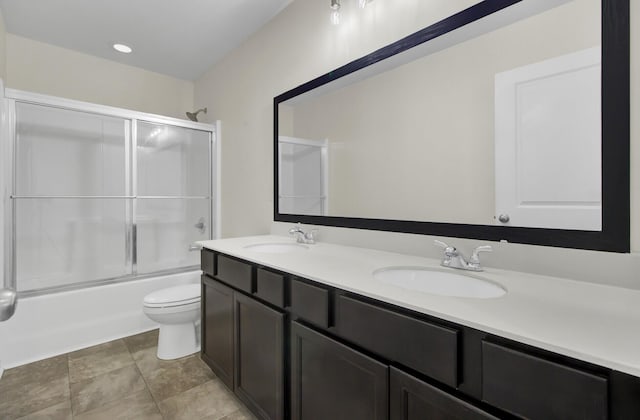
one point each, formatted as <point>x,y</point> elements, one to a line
<point>179,38</point>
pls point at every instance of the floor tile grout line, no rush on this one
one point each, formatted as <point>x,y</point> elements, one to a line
<point>69,385</point>
<point>195,355</point>
<point>146,384</point>
<point>9,380</point>
<point>93,377</point>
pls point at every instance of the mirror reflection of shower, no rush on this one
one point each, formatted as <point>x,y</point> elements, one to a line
<point>193,116</point>
<point>303,176</point>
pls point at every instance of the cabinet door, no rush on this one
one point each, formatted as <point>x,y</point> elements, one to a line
<point>217,329</point>
<point>259,376</point>
<point>332,381</point>
<point>412,399</point>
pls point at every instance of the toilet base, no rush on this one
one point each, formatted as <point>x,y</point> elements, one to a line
<point>177,340</point>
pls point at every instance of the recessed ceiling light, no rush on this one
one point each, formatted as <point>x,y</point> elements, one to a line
<point>122,48</point>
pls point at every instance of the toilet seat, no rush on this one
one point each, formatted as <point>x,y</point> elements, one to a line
<point>173,296</point>
<point>171,309</point>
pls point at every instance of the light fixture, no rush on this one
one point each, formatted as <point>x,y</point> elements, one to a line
<point>335,12</point>
<point>335,15</point>
<point>122,48</point>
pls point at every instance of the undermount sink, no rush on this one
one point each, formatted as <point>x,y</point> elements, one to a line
<point>277,248</point>
<point>439,282</point>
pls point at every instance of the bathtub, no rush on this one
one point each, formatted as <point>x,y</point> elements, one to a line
<point>53,324</point>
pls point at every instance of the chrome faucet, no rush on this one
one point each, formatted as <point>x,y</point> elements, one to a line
<point>455,259</point>
<point>303,237</point>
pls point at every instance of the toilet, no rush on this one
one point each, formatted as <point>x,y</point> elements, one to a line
<point>177,310</point>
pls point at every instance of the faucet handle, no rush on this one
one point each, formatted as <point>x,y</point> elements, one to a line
<point>447,248</point>
<point>475,259</point>
<point>295,229</point>
<point>310,237</point>
<point>482,248</point>
<point>440,244</point>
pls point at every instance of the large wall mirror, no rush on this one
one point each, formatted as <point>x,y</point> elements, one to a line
<point>507,121</point>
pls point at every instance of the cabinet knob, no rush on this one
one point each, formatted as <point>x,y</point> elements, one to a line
<point>504,218</point>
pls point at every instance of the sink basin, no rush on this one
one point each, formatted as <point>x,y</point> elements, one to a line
<point>439,282</point>
<point>277,248</point>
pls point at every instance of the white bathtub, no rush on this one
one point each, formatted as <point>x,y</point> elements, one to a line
<point>49,325</point>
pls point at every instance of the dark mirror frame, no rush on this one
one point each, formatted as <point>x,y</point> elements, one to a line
<point>615,232</point>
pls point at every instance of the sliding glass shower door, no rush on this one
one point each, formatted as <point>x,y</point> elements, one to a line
<point>69,197</point>
<point>100,198</point>
<point>174,195</point>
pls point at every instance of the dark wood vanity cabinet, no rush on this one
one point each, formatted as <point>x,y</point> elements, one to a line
<point>243,338</point>
<point>294,348</point>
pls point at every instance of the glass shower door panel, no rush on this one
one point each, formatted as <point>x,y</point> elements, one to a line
<point>172,161</point>
<point>166,228</point>
<point>62,152</point>
<point>66,241</point>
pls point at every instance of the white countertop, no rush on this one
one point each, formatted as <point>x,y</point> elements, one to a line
<point>595,323</point>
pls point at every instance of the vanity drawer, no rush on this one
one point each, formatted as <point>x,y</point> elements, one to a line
<point>207,262</point>
<point>270,287</point>
<point>235,273</point>
<point>536,388</point>
<point>310,303</point>
<point>426,347</point>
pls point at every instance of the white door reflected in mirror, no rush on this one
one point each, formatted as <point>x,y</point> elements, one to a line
<point>547,116</point>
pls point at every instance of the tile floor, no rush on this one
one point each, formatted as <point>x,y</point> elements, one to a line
<point>121,379</point>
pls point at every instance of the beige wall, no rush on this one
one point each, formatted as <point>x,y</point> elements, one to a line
<point>297,46</point>
<point>38,67</point>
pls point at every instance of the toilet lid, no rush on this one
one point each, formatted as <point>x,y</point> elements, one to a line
<point>174,296</point>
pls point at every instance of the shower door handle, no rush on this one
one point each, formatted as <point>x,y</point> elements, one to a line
<point>8,303</point>
<point>201,226</point>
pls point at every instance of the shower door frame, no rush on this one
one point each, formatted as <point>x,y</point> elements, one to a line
<point>131,118</point>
